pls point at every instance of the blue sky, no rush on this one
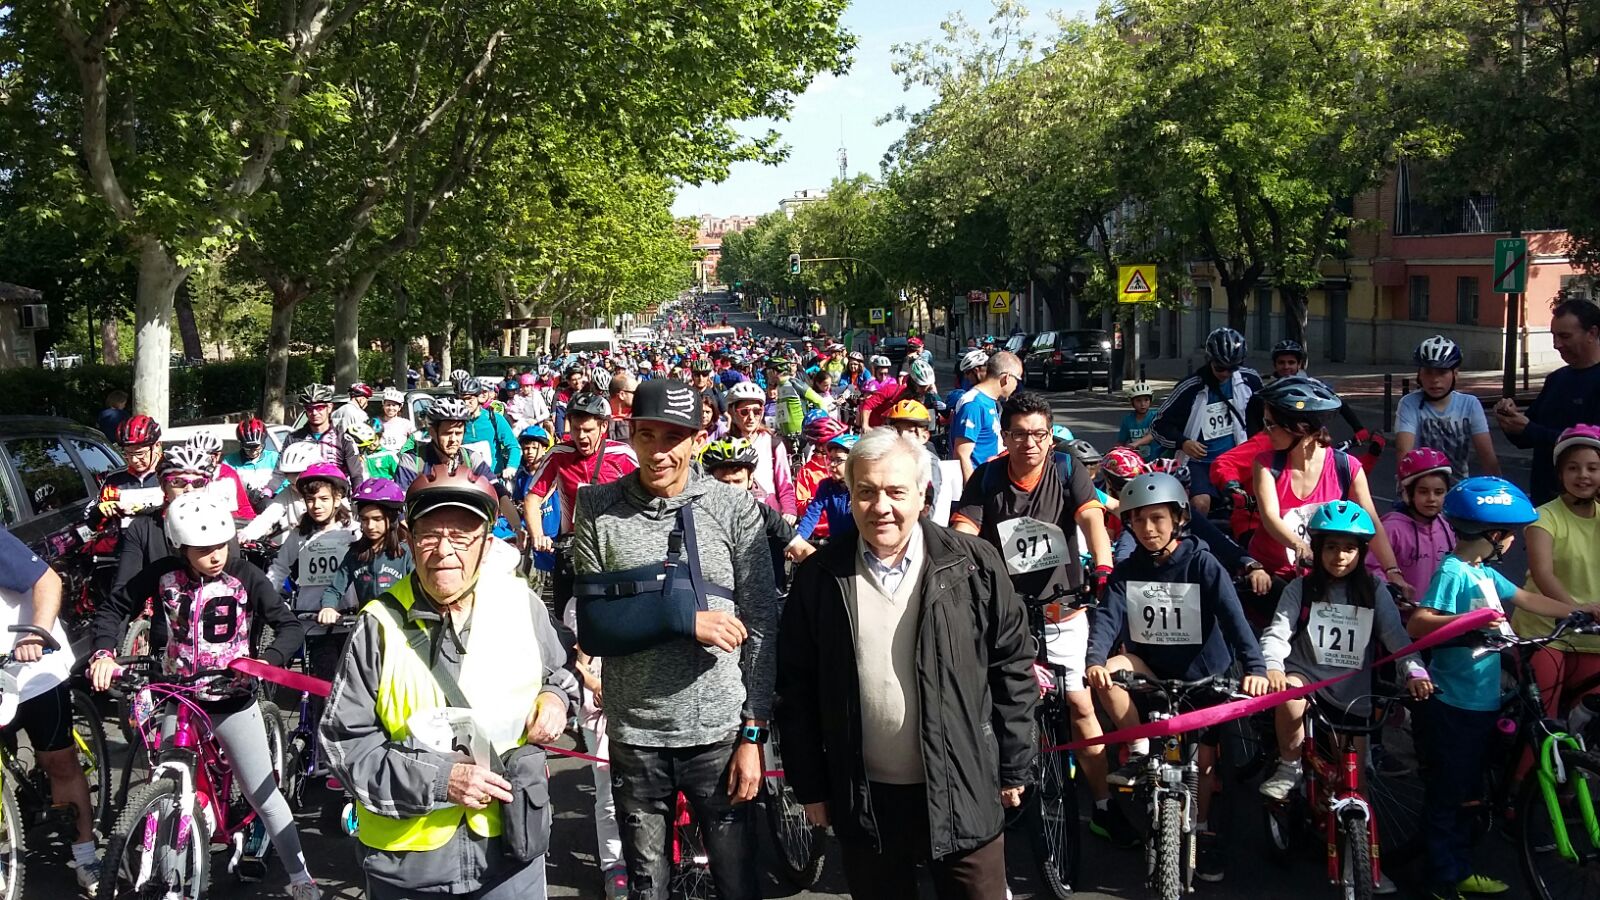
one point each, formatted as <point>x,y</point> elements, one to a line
<point>851,103</point>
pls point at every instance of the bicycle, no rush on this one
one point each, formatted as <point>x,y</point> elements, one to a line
<point>27,811</point>
<point>799,843</point>
<point>1170,782</point>
<point>162,842</point>
<point>1051,803</point>
<point>1331,800</point>
<point>690,873</point>
<point>302,751</point>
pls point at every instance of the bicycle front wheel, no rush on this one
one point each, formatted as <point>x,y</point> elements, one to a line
<point>1551,872</point>
<point>1355,849</point>
<point>1057,836</point>
<point>11,846</point>
<point>799,844</point>
<point>156,850</point>
<point>89,739</point>
<point>1167,880</point>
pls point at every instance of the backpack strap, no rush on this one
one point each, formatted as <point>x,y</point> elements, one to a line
<point>1341,466</point>
<point>418,641</point>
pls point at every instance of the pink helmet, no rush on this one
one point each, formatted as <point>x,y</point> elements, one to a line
<point>382,492</point>
<point>1423,461</point>
<point>324,471</point>
<point>1123,463</point>
<point>527,378</point>
<point>1577,436</point>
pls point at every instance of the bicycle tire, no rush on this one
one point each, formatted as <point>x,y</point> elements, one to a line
<point>1548,875</point>
<point>89,733</point>
<point>136,640</point>
<point>13,849</point>
<point>277,740</point>
<point>690,877</point>
<point>154,804</point>
<point>292,780</point>
<point>1167,875</point>
<point>799,844</point>
<point>1397,804</point>
<point>1356,851</point>
<point>1057,834</point>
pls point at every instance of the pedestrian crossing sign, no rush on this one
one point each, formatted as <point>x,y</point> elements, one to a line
<point>999,301</point>
<point>875,315</point>
<point>1136,283</point>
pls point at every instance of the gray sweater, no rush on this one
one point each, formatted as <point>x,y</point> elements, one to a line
<point>681,693</point>
<point>1288,651</point>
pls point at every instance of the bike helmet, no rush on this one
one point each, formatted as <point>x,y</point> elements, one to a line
<point>313,394</point>
<point>449,484</point>
<point>1141,389</point>
<point>1169,466</point>
<point>1123,464</point>
<point>600,381</point>
<point>323,471</point>
<point>588,403</point>
<point>527,378</point>
<point>459,375</point>
<point>746,392</point>
<point>701,366</point>
<point>1342,517</point>
<point>1084,452</point>
<point>359,389</point>
<point>301,455</point>
<point>1293,348</point>
<point>1300,395</point>
<point>251,432</point>
<point>846,440</point>
<point>858,356</point>
<point>468,387</point>
<point>728,452</point>
<point>382,492</point>
<point>1225,347</point>
<point>823,430</point>
<point>914,343</point>
<point>187,459</point>
<point>1152,489</point>
<point>881,362</point>
<point>1437,352</point>
<point>1423,461</point>
<point>1577,436</point>
<point>448,409</point>
<point>363,435</point>
<point>922,374</point>
<point>138,431</point>
<point>1063,438</point>
<point>1485,503</point>
<point>534,433</point>
<point>973,359</point>
<point>206,442</point>
<point>198,519</point>
<point>910,411</point>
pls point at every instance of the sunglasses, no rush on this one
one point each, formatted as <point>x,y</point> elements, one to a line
<point>187,481</point>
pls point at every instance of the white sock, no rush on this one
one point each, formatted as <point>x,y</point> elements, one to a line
<point>1139,747</point>
<point>83,854</point>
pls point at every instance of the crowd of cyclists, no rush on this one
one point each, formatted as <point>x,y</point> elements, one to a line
<point>1221,523</point>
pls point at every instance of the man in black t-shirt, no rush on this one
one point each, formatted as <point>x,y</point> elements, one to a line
<point>1040,509</point>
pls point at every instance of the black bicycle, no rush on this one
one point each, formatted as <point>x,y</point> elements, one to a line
<point>1051,804</point>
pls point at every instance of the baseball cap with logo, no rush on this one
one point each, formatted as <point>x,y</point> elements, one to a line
<point>668,400</point>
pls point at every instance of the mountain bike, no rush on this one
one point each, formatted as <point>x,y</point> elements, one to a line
<point>163,840</point>
<point>800,844</point>
<point>690,872</point>
<point>1051,804</point>
<point>303,764</point>
<point>1169,786</point>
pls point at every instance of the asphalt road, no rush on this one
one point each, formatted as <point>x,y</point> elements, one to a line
<point>1107,872</point>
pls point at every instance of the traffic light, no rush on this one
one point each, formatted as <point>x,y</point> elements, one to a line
<point>794,264</point>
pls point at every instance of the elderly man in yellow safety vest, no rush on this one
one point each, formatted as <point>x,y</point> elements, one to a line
<point>449,679</point>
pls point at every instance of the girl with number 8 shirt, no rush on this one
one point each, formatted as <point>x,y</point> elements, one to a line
<point>311,554</point>
<point>1172,608</point>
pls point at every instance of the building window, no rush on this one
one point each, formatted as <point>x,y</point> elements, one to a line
<point>1419,298</point>
<point>1467,300</point>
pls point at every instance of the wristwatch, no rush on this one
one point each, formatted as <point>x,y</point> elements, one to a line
<point>754,734</point>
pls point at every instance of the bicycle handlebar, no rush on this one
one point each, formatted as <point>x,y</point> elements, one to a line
<point>1130,680</point>
<point>51,645</point>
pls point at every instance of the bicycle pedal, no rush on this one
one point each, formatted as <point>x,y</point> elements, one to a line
<point>250,870</point>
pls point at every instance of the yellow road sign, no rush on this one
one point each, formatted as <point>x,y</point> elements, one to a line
<point>875,315</point>
<point>1136,284</point>
<point>999,301</point>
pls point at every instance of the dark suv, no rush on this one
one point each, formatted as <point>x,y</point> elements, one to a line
<point>50,469</point>
<point>1056,357</point>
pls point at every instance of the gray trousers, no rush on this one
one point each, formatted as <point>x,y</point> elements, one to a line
<point>526,883</point>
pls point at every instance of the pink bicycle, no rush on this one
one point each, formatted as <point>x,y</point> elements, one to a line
<point>162,843</point>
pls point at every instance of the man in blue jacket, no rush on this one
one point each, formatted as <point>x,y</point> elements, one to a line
<point>489,438</point>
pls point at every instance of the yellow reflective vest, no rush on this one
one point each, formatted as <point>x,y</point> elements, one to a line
<point>501,676</point>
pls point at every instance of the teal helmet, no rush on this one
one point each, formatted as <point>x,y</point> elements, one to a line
<point>1342,517</point>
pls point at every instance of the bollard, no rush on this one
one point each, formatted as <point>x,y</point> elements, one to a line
<point>1405,386</point>
<point>1141,372</point>
<point>1388,402</point>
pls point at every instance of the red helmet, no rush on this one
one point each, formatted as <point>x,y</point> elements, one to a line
<point>823,430</point>
<point>914,342</point>
<point>252,433</point>
<point>1123,463</point>
<point>137,431</point>
<point>451,484</point>
<point>1423,461</point>
<point>360,390</point>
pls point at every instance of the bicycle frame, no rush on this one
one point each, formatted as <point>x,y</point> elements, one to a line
<point>195,758</point>
<point>1551,773</point>
<point>1333,792</point>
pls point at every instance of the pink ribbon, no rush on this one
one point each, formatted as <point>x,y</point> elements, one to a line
<point>294,681</point>
<point>1195,720</point>
<point>773,773</point>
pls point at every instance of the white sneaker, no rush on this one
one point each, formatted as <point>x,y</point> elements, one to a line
<point>88,877</point>
<point>1384,885</point>
<point>304,890</point>
<point>1282,781</point>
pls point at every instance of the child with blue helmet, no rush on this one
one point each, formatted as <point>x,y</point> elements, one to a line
<point>1456,727</point>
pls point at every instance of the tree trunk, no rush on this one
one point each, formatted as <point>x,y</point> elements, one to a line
<point>401,347</point>
<point>274,393</point>
<point>110,341</point>
<point>446,337</point>
<point>1238,300</point>
<point>159,277</point>
<point>193,350</point>
<point>1295,313</point>
<point>347,330</point>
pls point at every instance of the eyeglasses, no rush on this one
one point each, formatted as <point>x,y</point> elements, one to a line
<point>186,481</point>
<point>459,541</point>
<point>1028,437</point>
<point>148,451</point>
<point>318,407</point>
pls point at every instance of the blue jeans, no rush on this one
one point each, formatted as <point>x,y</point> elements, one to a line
<point>1454,747</point>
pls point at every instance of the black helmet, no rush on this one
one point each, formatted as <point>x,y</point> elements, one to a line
<point>1225,347</point>
<point>1291,347</point>
<point>588,403</point>
<point>1299,395</point>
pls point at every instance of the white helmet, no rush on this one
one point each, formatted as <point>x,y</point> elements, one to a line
<point>973,360</point>
<point>881,362</point>
<point>922,373</point>
<point>206,442</point>
<point>197,519</point>
<point>393,395</point>
<point>745,391</point>
<point>1141,390</point>
<point>301,455</point>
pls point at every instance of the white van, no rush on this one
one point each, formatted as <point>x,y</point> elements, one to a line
<point>726,332</point>
<point>591,340</point>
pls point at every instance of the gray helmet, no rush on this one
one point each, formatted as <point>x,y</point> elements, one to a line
<point>1302,395</point>
<point>600,380</point>
<point>316,393</point>
<point>1225,347</point>
<point>206,442</point>
<point>448,409</point>
<point>459,375</point>
<point>588,403</point>
<point>1153,489</point>
<point>922,373</point>
<point>1084,452</point>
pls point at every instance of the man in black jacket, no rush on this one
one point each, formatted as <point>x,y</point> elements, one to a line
<point>889,733</point>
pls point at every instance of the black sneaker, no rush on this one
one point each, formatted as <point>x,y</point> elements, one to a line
<point>1210,866</point>
<point>1113,826</point>
<point>1129,773</point>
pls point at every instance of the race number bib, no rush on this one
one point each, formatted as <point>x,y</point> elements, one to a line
<point>1297,519</point>
<point>1216,421</point>
<point>1339,634</point>
<point>131,500</point>
<point>320,558</point>
<point>481,453</point>
<point>1030,545</point>
<point>1161,612</point>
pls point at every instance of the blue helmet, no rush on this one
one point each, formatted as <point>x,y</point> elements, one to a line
<point>1062,434</point>
<point>1485,503</point>
<point>1341,517</point>
<point>846,440</point>
<point>813,415</point>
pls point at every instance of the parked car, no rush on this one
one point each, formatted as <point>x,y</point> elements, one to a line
<point>895,347</point>
<point>50,469</point>
<point>1057,357</point>
<point>1019,343</point>
<point>227,432</point>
